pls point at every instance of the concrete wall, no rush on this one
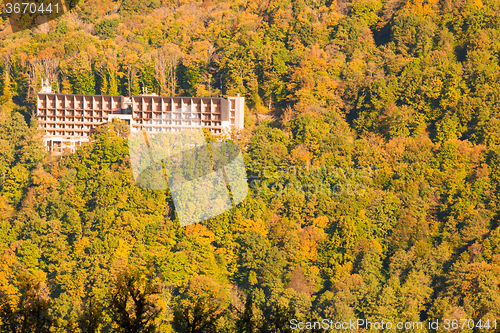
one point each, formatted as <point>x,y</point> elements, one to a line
<point>68,120</point>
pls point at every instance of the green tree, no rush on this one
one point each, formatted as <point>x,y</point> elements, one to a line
<point>133,307</point>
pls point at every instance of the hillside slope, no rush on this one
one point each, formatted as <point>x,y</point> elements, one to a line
<point>372,150</point>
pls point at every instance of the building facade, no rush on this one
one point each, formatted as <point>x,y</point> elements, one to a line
<point>68,120</point>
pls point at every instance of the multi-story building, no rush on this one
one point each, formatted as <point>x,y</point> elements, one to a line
<point>68,120</point>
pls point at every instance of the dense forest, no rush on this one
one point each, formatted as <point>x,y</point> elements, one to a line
<point>372,147</point>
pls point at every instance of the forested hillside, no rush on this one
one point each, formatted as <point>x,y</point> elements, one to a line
<point>372,146</point>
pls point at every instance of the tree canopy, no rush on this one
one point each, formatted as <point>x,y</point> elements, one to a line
<point>372,148</point>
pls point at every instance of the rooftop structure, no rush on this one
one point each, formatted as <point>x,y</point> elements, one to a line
<point>69,119</point>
